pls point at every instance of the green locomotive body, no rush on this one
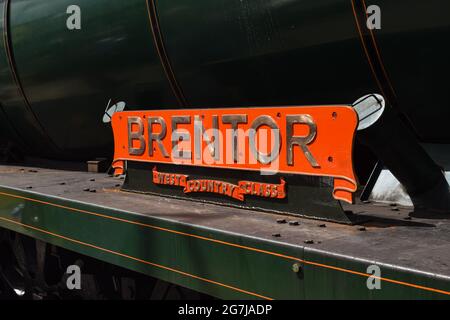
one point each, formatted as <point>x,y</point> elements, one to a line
<point>55,84</point>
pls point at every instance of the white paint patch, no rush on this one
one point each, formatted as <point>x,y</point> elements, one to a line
<point>388,189</point>
<point>19,292</point>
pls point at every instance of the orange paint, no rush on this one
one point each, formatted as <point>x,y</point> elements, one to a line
<point>236,191</point>
<point>331,146</point>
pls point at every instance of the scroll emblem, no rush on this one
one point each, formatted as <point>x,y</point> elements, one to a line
<point>236,191</point>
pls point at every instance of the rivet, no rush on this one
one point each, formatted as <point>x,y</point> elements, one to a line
<point>296,267</point>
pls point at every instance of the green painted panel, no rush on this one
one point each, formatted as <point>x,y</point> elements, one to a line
<point>324,283</point>
<point>17,120</point>
<point>217,263</point>
<point>260,274</point>
<point>265,52</point>
<point>70,75</point>
<point>415,54</point>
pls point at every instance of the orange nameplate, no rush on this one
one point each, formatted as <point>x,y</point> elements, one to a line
<point>292,140</point>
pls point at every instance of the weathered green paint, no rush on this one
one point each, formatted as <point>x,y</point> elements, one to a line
<point>69,76</point>
<point>223,53</point>
<point>265,52</point>
<point>325,284</point>
<point>260,273</point>
<point>415,55</point>
<point>14,111</point>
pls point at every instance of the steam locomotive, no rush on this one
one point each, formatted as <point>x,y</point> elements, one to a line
<point>56,83</point>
